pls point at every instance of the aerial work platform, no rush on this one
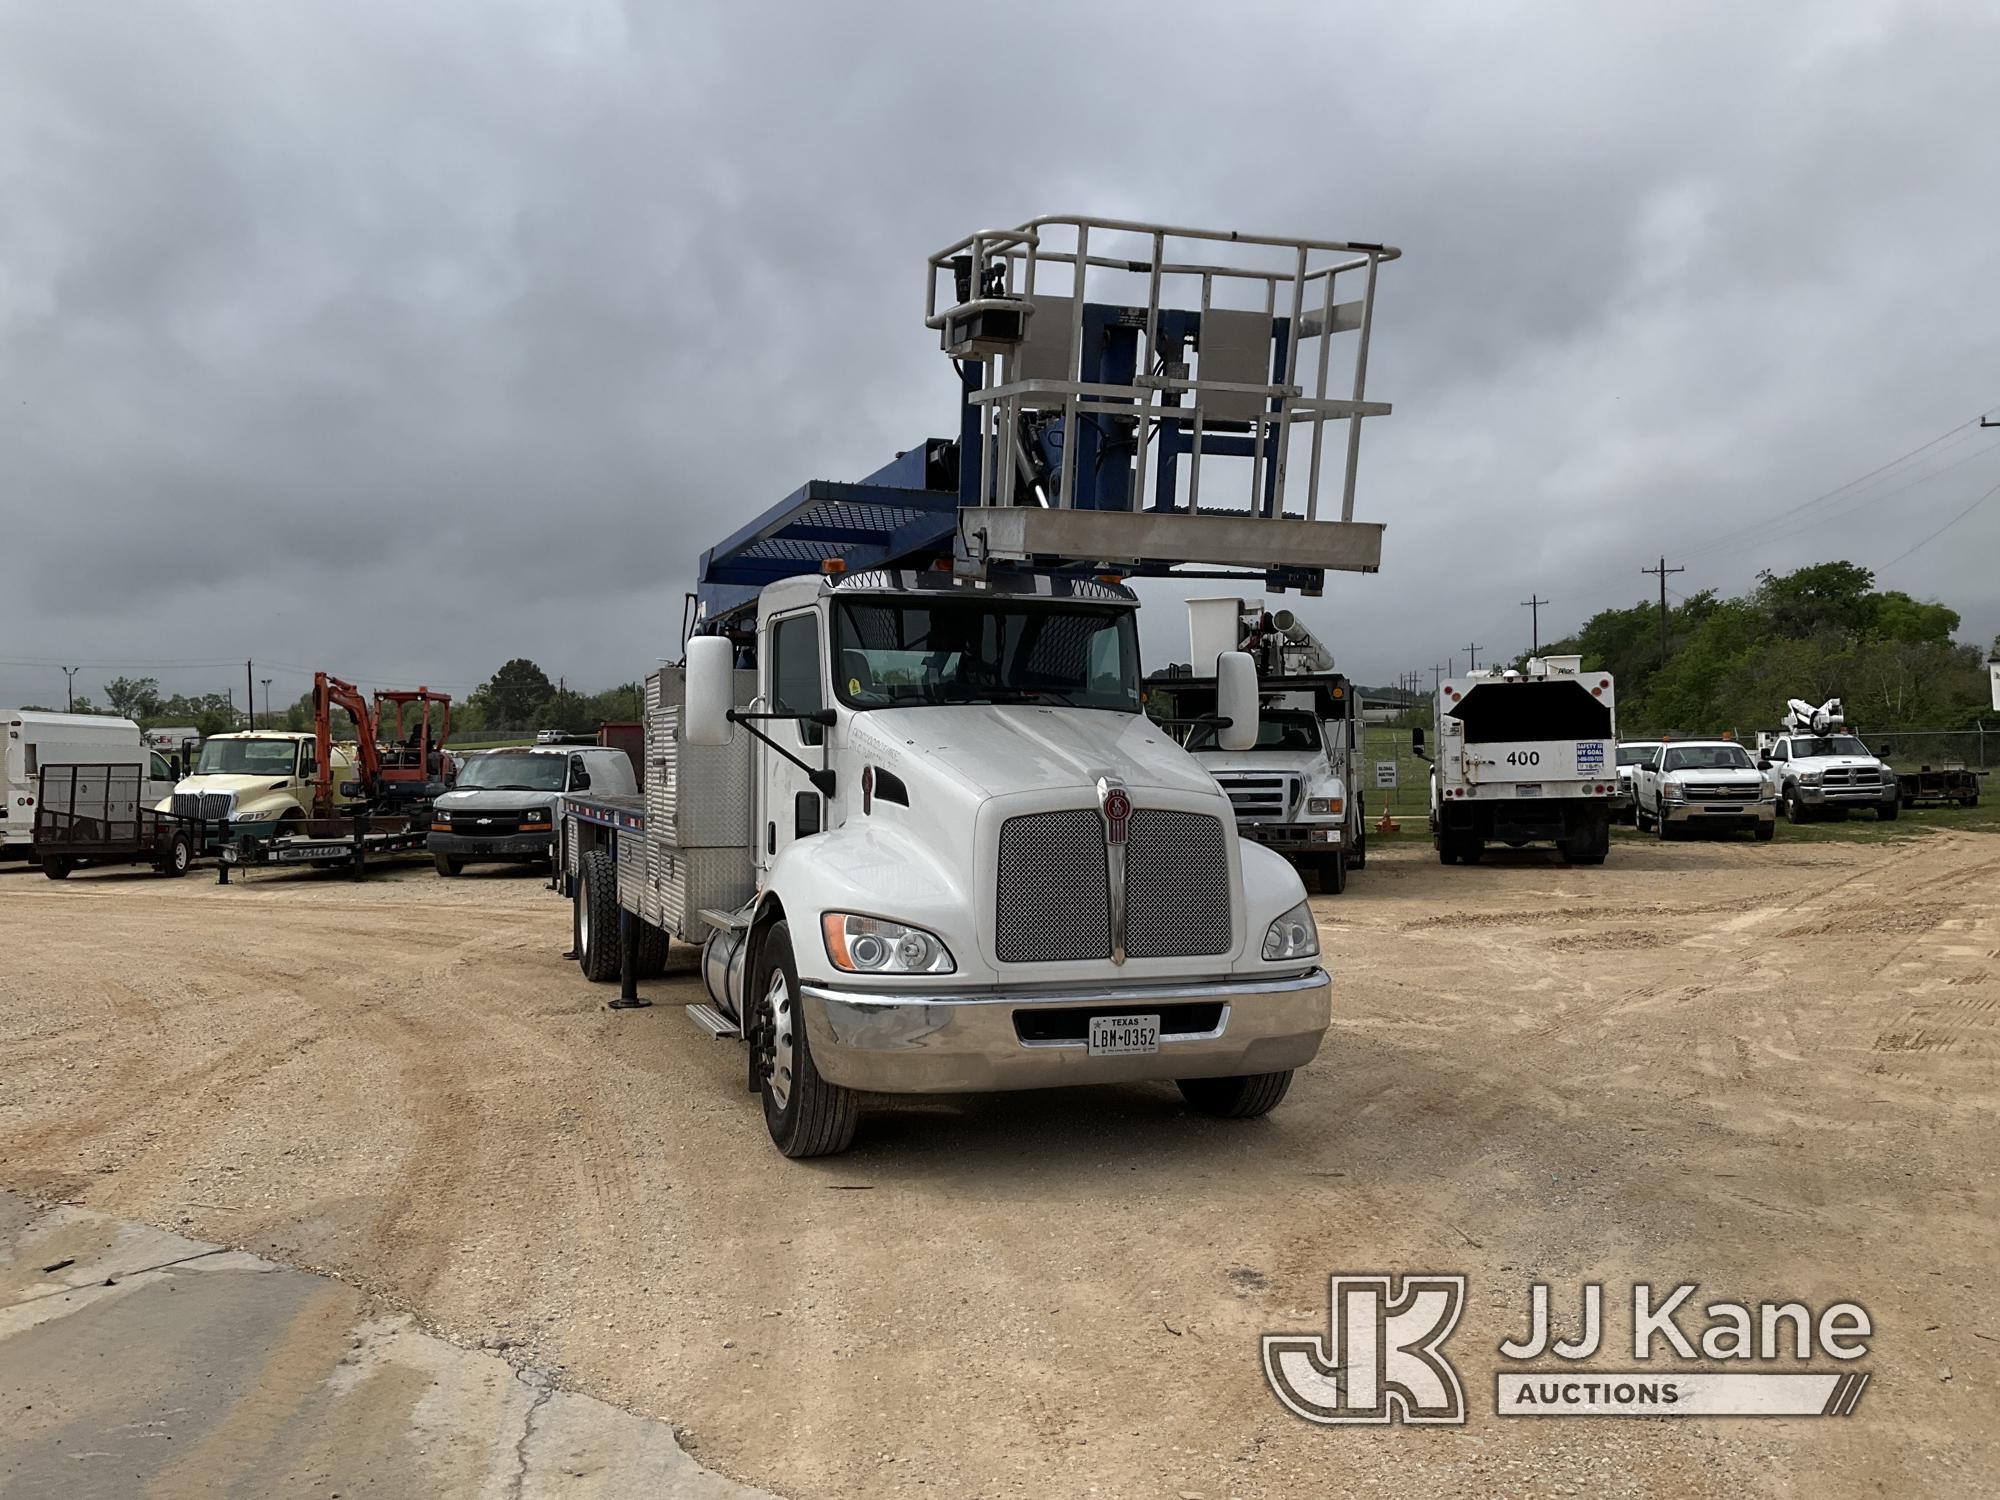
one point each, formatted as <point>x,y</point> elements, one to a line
<point>1137,397</point>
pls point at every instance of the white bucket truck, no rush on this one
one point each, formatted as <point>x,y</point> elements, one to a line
<point>1525,757</point>
<point>902,793</point>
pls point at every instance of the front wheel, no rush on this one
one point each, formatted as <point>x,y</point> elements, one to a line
<point>1766,832</point>
<point>1886,812</point>
<point>1333,874</point>
<point>1242,1098</point>
<point>1796,812</point>
<point>446,865</point>
<point>806,1115</point>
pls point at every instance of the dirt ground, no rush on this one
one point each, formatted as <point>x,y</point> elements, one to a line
<point>1766,1068</point>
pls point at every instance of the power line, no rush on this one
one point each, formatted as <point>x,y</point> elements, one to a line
<point>1944,528</point>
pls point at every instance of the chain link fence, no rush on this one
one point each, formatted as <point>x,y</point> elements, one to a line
<point>1393,777</point>
<point>1937,749</point>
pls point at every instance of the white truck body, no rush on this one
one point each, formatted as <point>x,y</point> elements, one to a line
<point>1822,769</point>
<point>1525,757</point>
<point>36,738</point>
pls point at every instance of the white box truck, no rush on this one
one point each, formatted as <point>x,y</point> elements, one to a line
<point>38,738</point>
<point>1525,757</point>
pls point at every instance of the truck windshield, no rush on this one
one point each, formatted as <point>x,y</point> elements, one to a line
<point>889,654</point>
<point>1277,729</point>
<point>248,758</point>
<point>514,773</point>
<point>1636,753</point>
<point>1828,744</point>
<point>1709,758</point>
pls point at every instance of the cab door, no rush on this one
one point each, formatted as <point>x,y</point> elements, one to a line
<point>793,678</point>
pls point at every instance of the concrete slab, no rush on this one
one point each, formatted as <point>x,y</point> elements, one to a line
<point>133,1361</point>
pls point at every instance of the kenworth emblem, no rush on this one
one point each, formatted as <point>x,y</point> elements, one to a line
<point>1115,807</point>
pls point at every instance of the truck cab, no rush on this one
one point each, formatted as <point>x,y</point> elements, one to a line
<point>1288,790</point>
<point>978,865</point>
<point>256,783</point>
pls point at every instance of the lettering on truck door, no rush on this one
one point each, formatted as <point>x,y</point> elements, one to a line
<point>789,806</point>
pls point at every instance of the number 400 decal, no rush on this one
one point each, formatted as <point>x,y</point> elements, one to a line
<point>1524,757</point>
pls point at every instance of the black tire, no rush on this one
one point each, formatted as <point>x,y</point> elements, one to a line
<point>597,917</point>
<point>1662,829</point>
<point>806,1115</point>
<point>178,857</point>
<point>1243,1098</point>
<point>56,866</point>
<point>1447,852</point>
<point>1332,874</point>
<point>1766,832</point>
<point>1887,812</point>
<point>654,946</point>
<point>1472,851</point>
<point>1796,812</point>
<point>1357,858</point>
<point>444,864</point>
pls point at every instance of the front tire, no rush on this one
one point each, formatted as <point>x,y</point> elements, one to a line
<point>1243,1098</point>
<point>1333,874</point>
<point>1796,813</point>
<point>806,1115</point>
<point>444,864</point>
<point>597,917</point>
<point>1766,832</point>
<point>1886,812</point>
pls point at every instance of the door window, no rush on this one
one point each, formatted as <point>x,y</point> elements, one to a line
<point>161,770</point>
<point>795,676</point>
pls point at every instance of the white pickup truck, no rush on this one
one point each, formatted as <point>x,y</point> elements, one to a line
<point>1821,769</point>
<point>1706,784</point>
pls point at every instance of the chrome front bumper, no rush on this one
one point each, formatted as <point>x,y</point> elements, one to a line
<point>972,1043</point>
<point>1846,796</point>
<point>1763,810</point>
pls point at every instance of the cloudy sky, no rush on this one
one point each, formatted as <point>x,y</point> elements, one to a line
<point>400,339</point>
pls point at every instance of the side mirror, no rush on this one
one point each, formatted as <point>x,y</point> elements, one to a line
<point>1764,764</point>
<point>1884,750</point>
<point>1417,740</point>
<point>711,681</point>
<point>1236,701</point>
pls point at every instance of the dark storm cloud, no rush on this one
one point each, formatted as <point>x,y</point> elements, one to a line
<point>400,339</point>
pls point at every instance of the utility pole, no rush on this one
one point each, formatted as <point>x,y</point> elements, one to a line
<point>267,703</point>
<point>1533,605</point>
<point>250,692</point>
<point>1661,573</point>
<point>1472,657</point>
<point>69,688</point>
<point>1437,678</point>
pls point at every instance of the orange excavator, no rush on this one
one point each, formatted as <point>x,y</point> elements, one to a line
<point>409,767</point>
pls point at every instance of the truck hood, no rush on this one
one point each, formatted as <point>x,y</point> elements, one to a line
<point>245,788</point>
<point>1726,776</point>
<point>480,799</point>
<point>994,750</point>
<point>1831,762</point>
<point>1269,762</point>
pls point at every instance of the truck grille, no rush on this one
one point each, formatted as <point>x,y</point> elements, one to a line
<point>213,806</point>
<point>1851,776</point>
<point>1053,889</point>
<point>1719,792</point>
<point>1259,798</point>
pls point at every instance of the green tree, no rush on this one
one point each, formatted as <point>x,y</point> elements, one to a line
<point>133,697</point>
<point>513,697</point>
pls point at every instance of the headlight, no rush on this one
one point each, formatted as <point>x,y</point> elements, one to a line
<point>869,945</point>
<point>1324,807</point>
<point>1674,792</point>
<point>442,816</point>
<point>1292,936</point>
<point>1811,778</point>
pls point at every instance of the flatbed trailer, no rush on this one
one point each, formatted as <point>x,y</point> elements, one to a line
<point>96,816</point>
<point>354,842</point>
<point>1939,786</point>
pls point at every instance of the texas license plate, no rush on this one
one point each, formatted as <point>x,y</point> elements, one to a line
<point>1528,789</point>
<point>1124,1036</point>
<point>312,851</point>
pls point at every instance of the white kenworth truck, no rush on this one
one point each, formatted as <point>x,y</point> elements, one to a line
<point>1297,790</point>
<point>1525,757</point>
<point>901,791</point>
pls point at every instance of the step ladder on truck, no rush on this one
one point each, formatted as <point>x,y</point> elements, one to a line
<point>901,792</point>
